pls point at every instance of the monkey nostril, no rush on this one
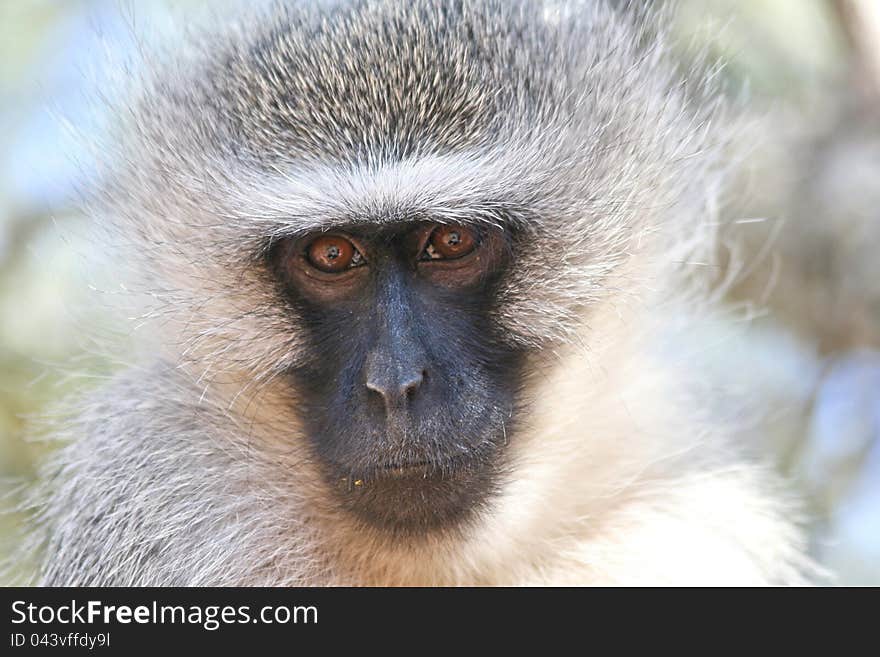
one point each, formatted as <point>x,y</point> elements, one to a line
<point>410,387</point>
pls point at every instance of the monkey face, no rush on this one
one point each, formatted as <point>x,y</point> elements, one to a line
<point>406,395</point>
<point>394,341</point>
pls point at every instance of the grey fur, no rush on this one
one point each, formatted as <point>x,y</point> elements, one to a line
<point>565,118</point>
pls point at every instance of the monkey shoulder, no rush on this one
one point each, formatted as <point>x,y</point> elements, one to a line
<point>727,526</point>
<point>141,482</point>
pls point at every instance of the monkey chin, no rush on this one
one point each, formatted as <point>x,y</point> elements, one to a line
<point>420,498</point>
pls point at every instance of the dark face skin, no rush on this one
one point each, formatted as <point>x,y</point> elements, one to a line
<point>408,390</point>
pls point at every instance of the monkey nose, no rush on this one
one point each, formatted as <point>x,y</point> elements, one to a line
<point>396,392</point>
<point>397,387</point>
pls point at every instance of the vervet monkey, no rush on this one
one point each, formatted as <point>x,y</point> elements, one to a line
<point>412,266</point>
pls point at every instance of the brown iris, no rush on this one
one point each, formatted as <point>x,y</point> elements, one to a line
<point>333,254</point>
<point>450,242</point>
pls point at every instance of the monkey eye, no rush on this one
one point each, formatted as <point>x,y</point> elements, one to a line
<point>449,242</point>
<point>333,254</point>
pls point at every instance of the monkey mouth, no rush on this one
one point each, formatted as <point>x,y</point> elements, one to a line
<point>416,469</point>
<point>417,496</point>
<point>399,470</point>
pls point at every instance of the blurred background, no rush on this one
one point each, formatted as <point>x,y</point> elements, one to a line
<point>799,345</point>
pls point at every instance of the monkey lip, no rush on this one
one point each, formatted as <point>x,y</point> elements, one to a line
<point>416,468</point>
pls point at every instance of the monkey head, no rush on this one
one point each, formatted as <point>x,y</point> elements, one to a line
<point>391,214</point>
